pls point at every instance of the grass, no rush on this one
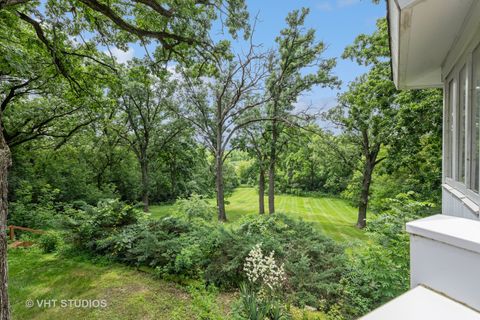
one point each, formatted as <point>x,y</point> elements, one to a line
<point>129,294</point>
<point>334,216</point>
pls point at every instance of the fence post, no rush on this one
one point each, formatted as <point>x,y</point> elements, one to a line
<point>12,234</point>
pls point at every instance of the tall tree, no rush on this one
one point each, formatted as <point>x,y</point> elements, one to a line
<point>367,114</point>
<point>298,52</point>
<point>218,107</point>
<point>377,118</point>
<point>147,122</point>
<point>38,99</point>
<point>179,30</point>
<point>253,139</point>
<point>5,162</point>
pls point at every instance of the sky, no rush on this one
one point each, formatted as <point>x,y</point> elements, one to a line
<point>336,22</point>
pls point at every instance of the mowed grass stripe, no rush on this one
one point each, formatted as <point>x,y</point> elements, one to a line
<point>312,212</point>
<point>329,218</point>
<point>335,217</point>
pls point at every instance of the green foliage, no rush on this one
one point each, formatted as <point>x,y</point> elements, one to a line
<point>313,263</point>
<point>311,165</point>
<point>230,178</point>
<point>204,301</point>
<point>253,306</point>
<point>96,223</point>
<point>190,247</point>
<point>37,209</point>
<point>379,271</point>
<point>246,172</point>
<point>50,241</point>
<point>370,49</point>
<point>196,207</point>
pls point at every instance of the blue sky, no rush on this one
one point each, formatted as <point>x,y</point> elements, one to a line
<point>337,23</point>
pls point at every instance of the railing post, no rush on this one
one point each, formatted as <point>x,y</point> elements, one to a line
<point>12,234</point>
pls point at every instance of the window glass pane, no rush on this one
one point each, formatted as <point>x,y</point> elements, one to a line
<point>475,120</point>
<point>449,131</point>
<point>461,126</point>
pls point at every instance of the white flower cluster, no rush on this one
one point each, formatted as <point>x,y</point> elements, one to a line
<point>262,269</point>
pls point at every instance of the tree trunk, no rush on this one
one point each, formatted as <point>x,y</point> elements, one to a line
<point>271,169</point>
<point>173,176</point>
<point>271,188</point>
<point>220,188</point>
<point>261,192</point>
<point>363,203</point>
<point>145,185</point>
<point>5,162</point>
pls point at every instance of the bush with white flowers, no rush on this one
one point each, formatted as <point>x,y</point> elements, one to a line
<point>263,270</point>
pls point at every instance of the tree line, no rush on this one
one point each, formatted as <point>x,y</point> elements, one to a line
<point>168,125</point>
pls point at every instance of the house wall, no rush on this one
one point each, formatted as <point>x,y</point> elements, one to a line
<point>454,203</point>
<point>460,196</point>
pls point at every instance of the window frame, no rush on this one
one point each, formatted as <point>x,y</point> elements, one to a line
<point>450,154</point>
<point>462,83</point>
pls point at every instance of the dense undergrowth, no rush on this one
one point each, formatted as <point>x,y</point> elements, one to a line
<point>342,280</point>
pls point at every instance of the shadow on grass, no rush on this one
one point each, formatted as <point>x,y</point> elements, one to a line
<point>129,294</point>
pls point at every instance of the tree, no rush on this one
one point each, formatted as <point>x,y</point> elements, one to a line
<point>147,121</point>
<point>253,140</point>
<point>367,115</point>
<point>5,162</point>
<point>218,107</point>
<point>367,110</point>
<point>181,30</point>
<point>289,77</point>
<point>29,77</point>
<point>311,163</point>
<point>378,119</point>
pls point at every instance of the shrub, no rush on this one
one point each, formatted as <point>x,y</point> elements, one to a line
<point>378,271</point>
<point>91,226</point>
<point>204,301</point>
<point>262,298</point>
<point>187,246</point>
<point>50,241</point>
<point>313,263</point>
<point>196,207</point>
<point>39,213</point>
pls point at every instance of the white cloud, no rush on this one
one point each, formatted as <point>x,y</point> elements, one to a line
<point>123,56</point>
<point>325,6</point>
<point>346,3</point>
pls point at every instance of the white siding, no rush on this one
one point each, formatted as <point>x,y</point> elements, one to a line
<point>456,204</point>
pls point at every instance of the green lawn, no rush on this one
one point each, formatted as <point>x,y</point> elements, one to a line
<point>333,216</point>
<point>129,294</point>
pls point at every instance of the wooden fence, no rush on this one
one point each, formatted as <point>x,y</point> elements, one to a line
<point>12,231</point>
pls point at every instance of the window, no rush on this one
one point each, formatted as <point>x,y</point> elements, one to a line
<point>460,132</point>
<point>462,126</point>
<point>449,130</point>
<point>475,122</point>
